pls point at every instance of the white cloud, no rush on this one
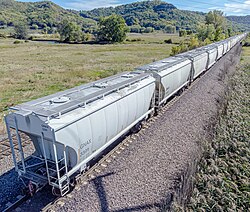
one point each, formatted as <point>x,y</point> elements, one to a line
<point>237,8</point>
<point>91,4</point>
<point>234,8</point>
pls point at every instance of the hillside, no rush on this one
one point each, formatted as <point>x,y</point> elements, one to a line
<point>243,22</point>
<point>240,19</point>
<point>39,13</point>
<point>156,14</point>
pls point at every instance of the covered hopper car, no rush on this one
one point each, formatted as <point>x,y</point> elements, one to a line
<point>171,75</point>
<point>70,128</point>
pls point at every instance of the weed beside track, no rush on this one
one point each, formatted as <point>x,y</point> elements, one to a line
<point>223,178</point>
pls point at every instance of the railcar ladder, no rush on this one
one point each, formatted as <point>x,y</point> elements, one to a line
<point>20,168</point>
<point>56,168</point>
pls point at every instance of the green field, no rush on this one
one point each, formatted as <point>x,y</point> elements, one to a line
<point>34,69</point>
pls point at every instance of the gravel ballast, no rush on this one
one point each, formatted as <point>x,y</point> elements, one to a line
<point>144,176</point>
<point>11,186</point>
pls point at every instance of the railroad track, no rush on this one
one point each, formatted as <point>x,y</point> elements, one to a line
<point>98,167</point>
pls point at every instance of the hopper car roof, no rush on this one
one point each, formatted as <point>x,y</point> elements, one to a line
<point>195,53</point>
<point>65,101</point>
<point>164,64</point>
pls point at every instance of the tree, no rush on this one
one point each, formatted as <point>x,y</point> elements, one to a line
<point>170,29</point>
<point>206,31</point>
<point>70,32</point>
<point>193,43</point>
<point>135,28</point>
<point>148,30</point>
<point>112,29</point>
<point>217,19</point>
<point>182,47</point>
<point>34,26</point>
<point>182,32</point>
<point>21,31</point>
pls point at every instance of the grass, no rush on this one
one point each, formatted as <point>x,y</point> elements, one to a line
<point>154,38</point>
<point>7,30</point>
<point>246,53</point>
<point>223,178</point>
<point>35,69</point>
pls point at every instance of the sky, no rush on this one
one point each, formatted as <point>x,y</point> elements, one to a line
<point>229,7</point>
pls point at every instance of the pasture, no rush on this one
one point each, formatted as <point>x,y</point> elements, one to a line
<point>35,69</point>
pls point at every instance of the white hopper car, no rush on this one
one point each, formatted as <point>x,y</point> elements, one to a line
<point>199,58</point>
<point>70,128</point>
<point>171,75</point>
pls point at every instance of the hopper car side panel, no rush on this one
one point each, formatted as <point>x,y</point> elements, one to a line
<point>212,57</point>
<point>174,81</point>
<point>171,75</point>
<point>225,47</point>
<point>95,130</point>
<point>200,64</point>
<point>220,51</point>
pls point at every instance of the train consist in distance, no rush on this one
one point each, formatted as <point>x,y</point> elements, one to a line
<point>70,128</point>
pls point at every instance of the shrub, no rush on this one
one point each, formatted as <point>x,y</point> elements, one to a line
<point>142,30</point>
<point>168,41</point>
<point>179,49</point>
<point>137,39</point>
<point>175,50</point>
<point>17,42</point>
<point>134,40</point>
<point>207,41</point>
<point>21,31</point>
<point>135,28</point>
<point>34,26</point>
<point>149,30</point>
<point>193,43</point>
<point>189,32</point>
<point>247,44</point>
<point>170,29</point>
<point>182,33</point>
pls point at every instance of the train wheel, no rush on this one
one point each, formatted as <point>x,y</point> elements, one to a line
<point>136,128</point>
<point>32,188</point>
<point>156,112</point>
<point>56,191</point>
<point>25,191</point>
<point>72,182</point>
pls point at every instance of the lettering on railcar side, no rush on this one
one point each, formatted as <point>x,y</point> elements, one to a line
<point>85,149</point>
<point>85,143</point>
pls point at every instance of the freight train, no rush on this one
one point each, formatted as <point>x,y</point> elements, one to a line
<point>70,128</point>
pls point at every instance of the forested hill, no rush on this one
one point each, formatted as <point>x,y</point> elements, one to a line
<point>156,14</point>
<point>36,13</point>
<point>243,21</point>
